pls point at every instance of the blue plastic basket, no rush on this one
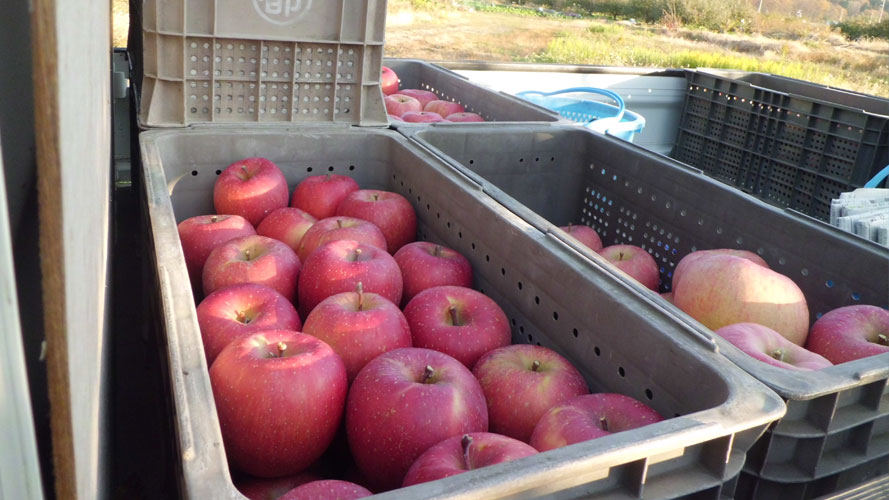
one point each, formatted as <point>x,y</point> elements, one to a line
<point>595,115</point>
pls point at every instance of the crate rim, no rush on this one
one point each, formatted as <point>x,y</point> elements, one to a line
<point>788,385</point>
<point>738,413</point>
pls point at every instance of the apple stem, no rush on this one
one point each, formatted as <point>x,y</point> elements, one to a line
<point>778,354</point>
<point>427,374</point>
<point>603,423</point>
<point>339,223</point>
<point>356,255</point>
<point>360,290</point>
<point>466,442</point>
<point>883,339</point>
<point>455,319</point>
<point>620,256</point>
<point>437,251</point>
<point>535,366</point>
<point>214,218</point>
<point>242,317</point>
<point>376,197</point>
<point>247,254</point>
<point>281,348</point>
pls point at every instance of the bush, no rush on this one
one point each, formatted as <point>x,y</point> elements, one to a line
<point>857,29</point>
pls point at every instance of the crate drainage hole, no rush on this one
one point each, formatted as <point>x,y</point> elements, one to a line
<point>649,394</point>
<point>597,351</point>
<point>575,332</point>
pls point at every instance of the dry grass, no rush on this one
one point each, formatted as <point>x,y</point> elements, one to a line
<point>449,30</point>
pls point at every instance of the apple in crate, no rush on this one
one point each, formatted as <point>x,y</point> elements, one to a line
<point>202,234</point>
<point>256,488</point>
<point>521,382</point>
<point>584,234</point>
<point>588,417</point>
<point>388,81</point>
<point>635,262</point>
<point>251,188</point>
<point>851,332</point>
<point>443,108</point>
<point>424,96</point>
<point>459,454</point>
<point>280,397</point>
<point>340,228</point>
<point>239,310</point>
<point>391,212</point>
<point>339,266</point>
<point>359,326</point>
<point>422,117</point>
<point>770,347</point>
<point>398,104</point>
<point>319,195</point>
<point>425,265</point>
<point>253,259</point>
<point>287,225</point>
<point>327,489</point>
<point>464,117</point>
<point>457,321</point>
<point>689,259</point>
<point>720,289</point>
<point>402,403</point>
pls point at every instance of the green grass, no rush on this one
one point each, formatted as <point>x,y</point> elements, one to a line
<point>614,45</point>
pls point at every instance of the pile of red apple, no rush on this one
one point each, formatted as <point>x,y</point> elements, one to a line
<point>420,106</point>
<point>348,393</point>
<point>760,311</point>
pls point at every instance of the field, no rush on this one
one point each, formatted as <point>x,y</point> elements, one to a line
<point>452,30</point>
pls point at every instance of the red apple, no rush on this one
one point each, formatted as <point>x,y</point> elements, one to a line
<point>252,259</point>
<point>719,290</point>
<point>689,260</point>
<point>328,489</point>
<point>635,262</point>
<point>340,265</point>
<point>405,401</point>
<point>287,225</point>
<point>422,117</point>
<point>443,108</point>
<point>425,265</point>
<point>391,212</point>
<point>319,195</point>
<point>398,104</point>
<point>359,326</point>
<point>457,321</point>
<point>251,188</point>
<point>388,81</point>
<point>256,488</point>
<point>424,96</point>
<point>200,235</point>
<point>340,228</point>
<point>521,382</point>
<point>588,417</point>
<point>240,310</point>
<point>459,454</point>
<point>279,396</point>
<point>850,332</point>
<point>768,346</point>
<point>464,117</point>
<point>668,296</point>
<point>585,235</point>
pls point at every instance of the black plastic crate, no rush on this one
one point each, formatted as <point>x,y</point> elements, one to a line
<point>790,143</point>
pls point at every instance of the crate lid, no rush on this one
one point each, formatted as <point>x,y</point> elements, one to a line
<point>262,61</point>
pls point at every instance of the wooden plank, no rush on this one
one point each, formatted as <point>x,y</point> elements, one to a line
<point>71,42</point>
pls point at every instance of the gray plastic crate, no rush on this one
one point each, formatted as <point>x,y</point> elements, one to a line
<point>837,418</point>
<point>492,105</point>
<point>551,294</point>
<point>284,61</point>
